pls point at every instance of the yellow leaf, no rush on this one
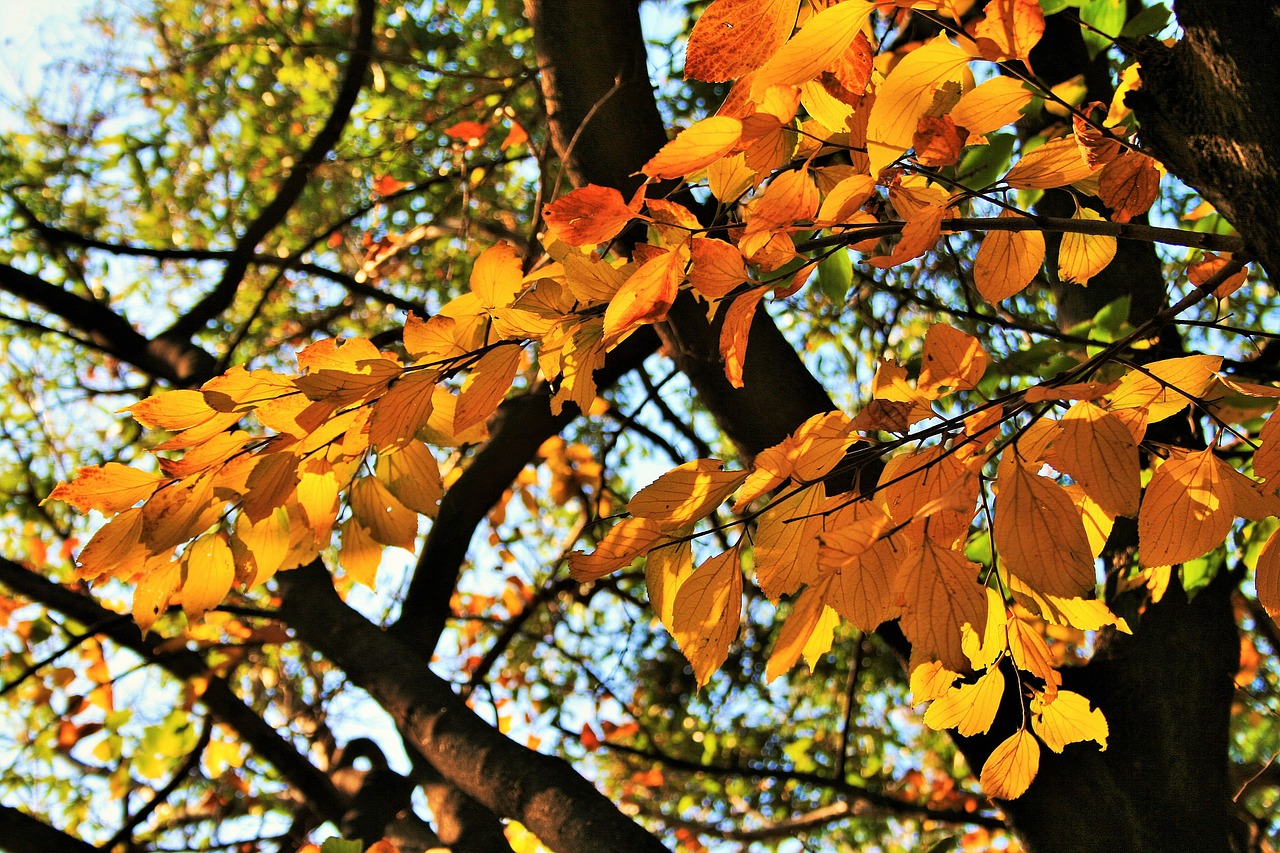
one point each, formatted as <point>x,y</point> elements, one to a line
<point>403,410</point>
<point>952,359</point>
<point>110,488</point>
<point>265,543</point>
<point>939,593</point>
<point>707,613</point>
<point>1007,261</point>
<point>990,106</point>
<point>413,476</point>
<point>1056,163</point>
<point>796,631</point>
<point>209,569</point>
<point>387,520</point>
<point>240,390</point>
<point>486,385</point>
<point>786,543</point>
<point>1074,391</point>
<point>790,197</point>
<point>906,94</point>
<point>685,494</point>
<point>179,512</point>
<point>438,429</point>
<point>930,680</point>
<point>733,37</point>
<point>1082,256</point>
<point>818,46</point>
<point>823,635</point>
<point>1038,532</point>
<point>819,444</point>
<point>734,333</point>
<point>1187,511</point>
<point>172,410</point>
<point>729,177</point>
<point>152,594</point>
<point>695,147</point>
<point>1164,388</point>
<point>1099,453</point>
<point>496,276</point>
<point>625,541</point>
<point>360,554</point>
<point>431,340</point>
<point>862,587</point>
<point>970,709</point>
<point>318,498</point>
<point>984,649</point>
<point>646,296</point>
<point>666,568</point>
<point>116,545</point>
<point>348,386</point>
<point>1067,718</point>
<point>1011,767</point>
<point>845,199</point>
<point>911,481</point>
<point>574,355</point>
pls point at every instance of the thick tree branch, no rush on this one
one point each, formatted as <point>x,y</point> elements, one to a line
<point>291,188</point>
<point>542,792</point>
<point>21,833</point>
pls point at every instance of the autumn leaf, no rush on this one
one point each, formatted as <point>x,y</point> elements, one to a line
<point>685,494</point>
<point>1038,533</point>
<point>733,335</point>
<point>1056,163</point>
<point>496,277</point>
<point>718,267</point>
<point>1267,575</point>
<point>1082,256</point>
<point>938,592</point>
<point>1011,767</point>
<point>817,47</point>
<point>360,554</point>
<point>906,94</point>
<point>413,476</point>
<point>1129,185</point>
<point>387,520</point>
<point>1007,261</point>
<point>666,567</point>
<point>208,570</point>
<point>969,709</point>
<point>108,488</point>
<point>271,483</point>
<point>486,384</point>
<point>646,296</point>
<point>1031,654</point>
<point>1010,29</point>
<point>733,37</point>
<point>695,147</point>
<point>1164,388</point>
<point>991,105</point>
<point>403,410</point>
<point>952,359</point>
<point>796,630</point>
<point>588,216</point>
<point>707,613</point>
<point>114,547</point>
<point>786,543</point>
<point>1098,452</point>
<point>1187,511</point>
<point>625,541</point>
<point>1067,718</point>
<point>152,594</point>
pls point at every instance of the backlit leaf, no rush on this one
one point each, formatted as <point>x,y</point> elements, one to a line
<point>1056,163</point>
<point>786,543</point>
<point>646,296</point>
<point>695,147</point>
<point>109,488</point>
<point>938,592</point>
<point>496,276</point>
<point>1010,29</point>
<point>718,267</point>
<point>733,37</point>
<point>1007,261</point>
<point>796,631</point>
<point>1066,719</point>
<point>952,359</point>
<point>1038,532</point>
<point>1164,388</point>
<point>1082,256</point>
<point>1098,452</point>
<point>708,610</point>
<point>734,333</point>
<point>685,494</point>
<point>1011,767</point>
<point>906,94</point>
<point>991,105</point>
<point>666,568</point>
<point>209,569</point>
<point>360,554</point>
<point>588,216</point>
<point>404,409</point>
<point>1187,511</point>
<point>817,47</point>
<point>970,709</point>
<point>413,476</point>
<point>625,541</point>
<point>387,520</point>
<point>487,383</point>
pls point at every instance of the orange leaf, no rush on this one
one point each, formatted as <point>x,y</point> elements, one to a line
<point>403,410</point>
<point>818,47</point>
<point>116,545</point>
<point>646,296</point>
<point>1187,511</point>
<point>1056,163</point>
<point>685,494</point>
<point>1038,532</point>
<point>796,632</point>
<point>1201,271</point>
<point>695,147</point>
<point>938,592</point>
<point>952,359</point>
<point>1007,261</point>
<point>1031,654</point>
<point>718,267</point>
<point>387,520</point>
<point>905,96</point>
<point>991,105</point>
<point>666,568</point>
<point>172,410</point>
<point>360,554</point>
<point>110,488</point>
<point>910,481</point>
<point>733,335</point>
<point>470,132</point>
<point>625,541</point>
<point>1164,388</point>
<point>1097,451</point>
<point>707,613</point>
<point>152,594</point>
<point>517,135</point>
<point>1129,185</point>
<point>1267,577</point>
<point>733,37</point>
<point>588,216</point>
<point>1010,29</point>
<point>937,141</point>
<point>413,476</point>
<point>208,571</point>
<point>786,543</point>
<point>846,198</point>
<point>271,484</point>
<point>1011,767</point>
<point>486,385</point>
<point>386,185</point>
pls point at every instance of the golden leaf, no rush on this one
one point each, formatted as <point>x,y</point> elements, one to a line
<point>970,709</point>
<point>487,383</point>
<point>952,359</point>
<point>271,484</point>
<point>796,631</point>
<point>1011,767</point>
<point>152,594</point>
<point>718,267</point>
<point>991,105</point>
<point>707,613</point>
<point>625,541</point>
<point>646,296</point>
<point>930,680</point>
<point>685,494</point>
<point>208,570</point>
<point>1082,256</point>
<point>1187,511</point>
<point>360,554</point>
<point>265,545</point>
<point>786,543</point>
<point>695,147</point>
<point>1038,532</point>
<point>1007,261</point>
<point>588,216</point>
<point>1099,453</point>
<point>387,520</point>
<point>1164,388</point>
<point>109,488</point>
<point>413,476</point>
<point>1067,718</point>
<point>1031,654</point>
<point>734,332</point>
<point>496,276</point>
<point>1010,29</point>
<point>666,568</point>
<point>906,94</point>
<point>938,591</point>
<point>404,409</point>
<point>845,199</point>
<point>818,46</point>
<point>115,548</point>
<point>1056,163</point>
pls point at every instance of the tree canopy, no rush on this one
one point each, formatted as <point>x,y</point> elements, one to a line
<point>593,425</point>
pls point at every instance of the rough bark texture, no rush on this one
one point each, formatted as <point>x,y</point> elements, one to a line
<point>1208,109</point>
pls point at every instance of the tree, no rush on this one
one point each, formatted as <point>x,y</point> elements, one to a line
<point>301,246</point>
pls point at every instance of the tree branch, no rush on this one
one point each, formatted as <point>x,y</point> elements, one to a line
<point>21,833</point>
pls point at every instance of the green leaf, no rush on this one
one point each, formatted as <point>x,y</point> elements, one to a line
<point>835,276</point>
<point>1105,19</point>
<point>1148,22</point>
